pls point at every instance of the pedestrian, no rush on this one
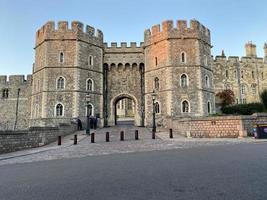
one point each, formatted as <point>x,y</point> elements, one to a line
<point>79,124</point>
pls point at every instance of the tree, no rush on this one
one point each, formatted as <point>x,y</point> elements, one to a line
<point>263,97</point>
<point>227,97</point>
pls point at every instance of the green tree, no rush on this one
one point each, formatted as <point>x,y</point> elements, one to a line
<point>263,97</point>
<point>226,97</point>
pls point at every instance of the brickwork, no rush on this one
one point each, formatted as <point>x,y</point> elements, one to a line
<point>35,137</point>
<point>217,127</point>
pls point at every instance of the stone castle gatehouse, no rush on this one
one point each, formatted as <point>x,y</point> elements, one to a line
<point>72,62</point>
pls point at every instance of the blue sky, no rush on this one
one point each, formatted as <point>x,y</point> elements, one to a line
<point>232,23</point>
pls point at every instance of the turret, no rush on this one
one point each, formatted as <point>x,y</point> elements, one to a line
<point>251,50</point>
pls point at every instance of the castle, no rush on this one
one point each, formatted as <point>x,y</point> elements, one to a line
<point>76,74</point>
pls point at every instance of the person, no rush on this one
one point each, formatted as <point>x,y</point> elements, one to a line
<point>79,123</point>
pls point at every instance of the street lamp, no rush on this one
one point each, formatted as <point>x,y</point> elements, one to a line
<point>88,98</point>
<point>154,113</point>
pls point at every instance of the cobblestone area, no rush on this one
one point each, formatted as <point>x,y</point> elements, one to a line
<point>100,147</point>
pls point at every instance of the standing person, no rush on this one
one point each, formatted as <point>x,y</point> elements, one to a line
<point>79,124</point>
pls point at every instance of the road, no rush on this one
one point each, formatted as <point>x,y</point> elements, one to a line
<point>209,172</point>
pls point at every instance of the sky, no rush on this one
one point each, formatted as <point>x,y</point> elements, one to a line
<point>232,23</point>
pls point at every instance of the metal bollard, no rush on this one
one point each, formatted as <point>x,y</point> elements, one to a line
<point>75,140</point>
<point>136,135</point>
<point>171,134</point>
<point>153,135</point>
<point>122,136</point>
<point>107,136</point>
<point>59,140</point>
<point>92,137</point>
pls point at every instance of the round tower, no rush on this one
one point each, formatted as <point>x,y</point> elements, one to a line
<point>68,66</point>
<point>178,69</point>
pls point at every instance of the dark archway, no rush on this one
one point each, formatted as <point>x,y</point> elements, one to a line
<point>124,111</point>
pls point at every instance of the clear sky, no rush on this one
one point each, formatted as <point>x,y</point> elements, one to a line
<point>232,23</point>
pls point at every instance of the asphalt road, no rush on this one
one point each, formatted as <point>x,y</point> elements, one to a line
<point>218,172</point>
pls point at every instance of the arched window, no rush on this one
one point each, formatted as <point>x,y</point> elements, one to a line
<point>36,113</point>
<point>183,57</point>
<point>209,108</point>
<point>90,85</point>
<point>156,61</point>
<point>226,74</point>
<point>157,110</point>
<point>243,89</point>
<point>61,57</point>
<point>60,83</point>
<point>242,74</point>
<point>89,109</point>
<point>156,83</point>
<point>59,112</point>
<point>90,60</point>
<point>184,81</point>
<point>185,106</point>
<point>5,93</point>
<point>252,75</point>
<point>207,81</point>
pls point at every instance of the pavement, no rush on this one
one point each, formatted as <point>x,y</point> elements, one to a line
<point>207,172</point>
<point>85,148</point>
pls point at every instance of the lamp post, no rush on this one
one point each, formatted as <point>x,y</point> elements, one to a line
<point>154,113</point>
<point>17,109</point>
<point>88,98</point>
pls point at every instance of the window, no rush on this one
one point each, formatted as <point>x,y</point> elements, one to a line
<point>253,88</point>
<point>243,101</point>
<point>207,81</point>
<point>89,109</point>
<point>61,57</point>
<point>236,100</point>
<point>36,113</point>
<point>242,74</point>
<point>156,61</point>
<point>262,75</point>
<point>90,60</point>
<point>243,89</point>
<point>5,93</point>
<point>226,74</point>
<point>185,106</point>
<point>235,73</point>
<point>183,57</point>
<point>60,83</point>
<point>90,85</point>
<point>183,80</point>
<point>156,83</point>
<point>157,107</point>
<point>252,75</point>
<point>205,60</point>
<point>209,108</point>
<point>59,110</point>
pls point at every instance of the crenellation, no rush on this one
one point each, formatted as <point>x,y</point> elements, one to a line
<point>181,25</point>
<point>3,79</point>
<point>167,30</point>
<point>77,26</point>
<point>123,44</point>
<point>62,26</point>
<point>90,30</point>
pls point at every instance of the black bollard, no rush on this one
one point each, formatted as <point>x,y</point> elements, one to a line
<point>59,140</point>
<point>75,140</point>
<point>171,134</point>
<point>136,135</point>
<point>122,136</point>
<point>107,136</point>
<point>92,137</point>
<point>153,134</point>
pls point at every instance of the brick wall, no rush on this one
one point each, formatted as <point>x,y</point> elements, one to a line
<point>217,127</point>
<point>34,137</point>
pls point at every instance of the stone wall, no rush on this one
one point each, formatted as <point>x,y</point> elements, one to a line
<point>217,127</point>
<point>34,137</point>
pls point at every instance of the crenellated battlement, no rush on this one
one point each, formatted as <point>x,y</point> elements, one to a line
<point>234,59</point>
<point>167,30</point>
<point>123,47</point>
<point>63,32</point>
<point>15,79</point>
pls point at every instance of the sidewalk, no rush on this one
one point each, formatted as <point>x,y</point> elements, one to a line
<point>65,142</point>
